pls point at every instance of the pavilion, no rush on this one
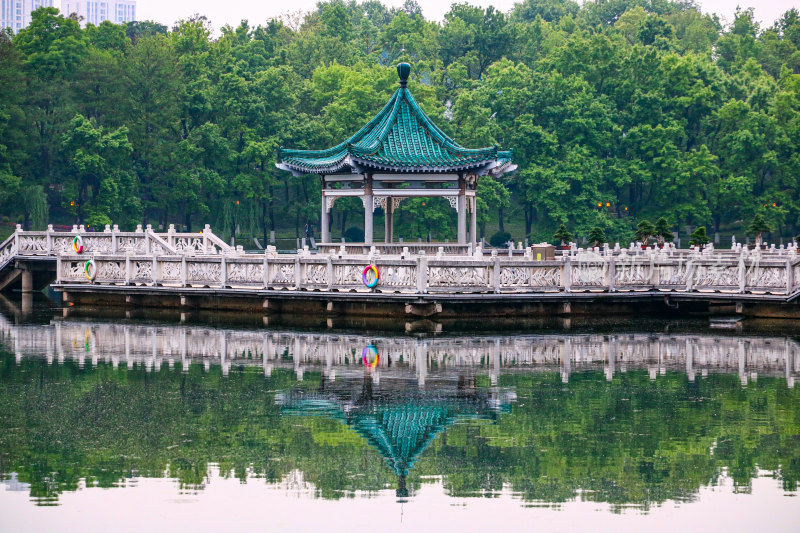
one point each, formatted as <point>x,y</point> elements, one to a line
<point>399,154</point>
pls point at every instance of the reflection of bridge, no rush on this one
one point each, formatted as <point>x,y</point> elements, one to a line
<point>428,358</point>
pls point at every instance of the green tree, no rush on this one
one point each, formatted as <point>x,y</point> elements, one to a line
<point>758,226</point>
<point>563,234</point>
<point>644,230</point>
<point>699,237</point>
<point>597,236</point>
<point>663,231</point>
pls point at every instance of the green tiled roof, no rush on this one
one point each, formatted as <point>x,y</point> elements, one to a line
<point>401,138</point>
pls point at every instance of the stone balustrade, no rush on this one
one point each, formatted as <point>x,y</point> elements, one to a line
<point>745,272</point>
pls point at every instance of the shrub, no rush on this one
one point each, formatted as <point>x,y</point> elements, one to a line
<point>563,234</point>
<point>699,237</point>
<point>500,239</point>
<point>597,236</point>
<point>354,234</point>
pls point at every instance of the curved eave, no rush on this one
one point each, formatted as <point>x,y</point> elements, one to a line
<point>358,165</point>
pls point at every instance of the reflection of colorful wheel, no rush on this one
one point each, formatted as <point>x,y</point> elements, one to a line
<point>370,351</point>
<point>370,276</point>
<point>90,269</point>
<point>77,244</point>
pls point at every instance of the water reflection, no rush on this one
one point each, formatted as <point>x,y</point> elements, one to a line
<point>625,418</point>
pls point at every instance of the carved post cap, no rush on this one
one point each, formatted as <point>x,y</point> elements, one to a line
<point>107,229</point>
<point>171,228</point>
<point>49,227</point>
<point>138,228</point>
<point>115,228</point>
<point>149,227</point>
<point>82,228</point>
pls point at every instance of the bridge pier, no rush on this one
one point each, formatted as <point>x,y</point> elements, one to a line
<point>27,281</point>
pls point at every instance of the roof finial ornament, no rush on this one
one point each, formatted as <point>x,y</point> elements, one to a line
<point>403,71</point>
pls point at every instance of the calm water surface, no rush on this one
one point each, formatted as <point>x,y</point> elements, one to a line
<point>125,423</point>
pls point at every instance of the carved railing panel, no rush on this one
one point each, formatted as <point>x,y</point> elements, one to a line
<point>131,244</point>
<point>765,277</point>
<point>716,276</point>
<point>206,272</point>
<point>281,274</point>
<point>672,276</point>
<point>169,272</point>
<point>398,276</point>
<point>110,271</point>
<point>347,275</point>
<point>632,274</point>
<point>32,245</point>
<point>465,276</point>
<point>589,274</point>
<point>245,273</point>
<point>142,270</point>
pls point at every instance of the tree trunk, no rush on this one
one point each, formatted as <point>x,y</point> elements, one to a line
<point>501,226</point>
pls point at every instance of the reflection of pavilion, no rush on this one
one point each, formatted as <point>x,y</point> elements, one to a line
<point>399,154</point>
<point>400,420</point>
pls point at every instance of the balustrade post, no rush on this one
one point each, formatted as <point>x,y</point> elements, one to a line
<point>611,272</point>
<point>184,272</point>
<point>689,275</point>
<point>171,235</point>
<point>742,275</point>
<point>155,271</point>
<point>17,234</point>
<point>330,273</point>
<point>297,273</point>
<point>266,272</point>
<point>789,276</point>
<point>223,272</point>
<point>49,239</point>
<point>495,273</point>
<point>114,239</point>
<point>128,269</point>
<point>422,274</point>
<point>566,274</point>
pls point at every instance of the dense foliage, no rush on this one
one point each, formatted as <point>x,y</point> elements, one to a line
<point>628,441</point>
<point>616,112</point>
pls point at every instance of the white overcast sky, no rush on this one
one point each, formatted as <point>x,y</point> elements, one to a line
<point>222,12</point>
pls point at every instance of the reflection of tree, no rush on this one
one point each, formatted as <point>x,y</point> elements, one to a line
<point>630,441</point>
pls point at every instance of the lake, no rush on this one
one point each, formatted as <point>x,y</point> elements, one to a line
<point>143,420</point>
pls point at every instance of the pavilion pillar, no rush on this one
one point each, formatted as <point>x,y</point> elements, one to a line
<point>473,222</point>
<point>389,222</point>
<point>368,208</point>
<point>462,211</point>
<point>324,219</point>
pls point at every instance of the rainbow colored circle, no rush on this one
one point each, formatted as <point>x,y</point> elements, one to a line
<point>77,244</point>
<point>375,279</point>
<point>90,269</point>
<point>365,359</point>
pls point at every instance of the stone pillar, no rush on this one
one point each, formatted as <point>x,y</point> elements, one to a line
<point>473,223</point>
<point>389,220</point>
<point>323,221</point>
<point>27,281</point>
<point>462,211</point>
<point>368,208</point>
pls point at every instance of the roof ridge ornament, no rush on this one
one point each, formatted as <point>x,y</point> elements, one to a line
<point>403,71</point>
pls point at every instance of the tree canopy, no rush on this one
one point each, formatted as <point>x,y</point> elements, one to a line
<point>616,111</point>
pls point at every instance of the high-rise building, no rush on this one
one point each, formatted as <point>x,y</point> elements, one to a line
<point>16,14</point>
<point>97,11</point>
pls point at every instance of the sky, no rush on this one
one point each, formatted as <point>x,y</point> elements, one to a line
<point>222,12</point>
